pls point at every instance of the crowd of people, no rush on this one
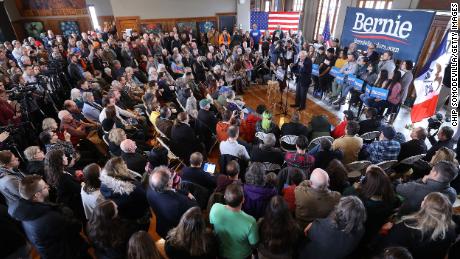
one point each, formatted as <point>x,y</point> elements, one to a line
<point>137,116</point>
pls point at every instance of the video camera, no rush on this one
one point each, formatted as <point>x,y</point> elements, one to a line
<point>435,122</point>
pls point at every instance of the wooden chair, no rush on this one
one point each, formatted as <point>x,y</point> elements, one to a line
<point>318,140</point>
<point>160,132</point>
<point>261,136</point>
<point>288,140</point>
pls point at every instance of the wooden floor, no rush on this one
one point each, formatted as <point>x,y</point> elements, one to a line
<point>257,94</point>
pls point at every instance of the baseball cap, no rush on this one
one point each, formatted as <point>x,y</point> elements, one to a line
<point>204,103</point>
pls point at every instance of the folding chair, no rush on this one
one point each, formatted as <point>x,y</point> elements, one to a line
<point>317,141</point>
<point>288,140</point>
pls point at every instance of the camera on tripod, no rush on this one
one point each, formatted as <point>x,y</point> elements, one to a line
<point>20,93</point>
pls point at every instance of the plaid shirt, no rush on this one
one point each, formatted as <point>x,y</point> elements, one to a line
<point>383,150</point>
<point>304,162</point>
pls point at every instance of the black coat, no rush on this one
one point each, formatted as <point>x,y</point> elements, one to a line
<point>303,73</point>
<point>323,158</point>
<point>271,155</point>
<point>74,73</point>
<point>206,124</point>
<point>12,237</point>
<point>135,161</point>
<point>412,148</point>
<point>68,193</point>
<point>293,128</point>
<point>198,176</point>
<point>168,206</point>
<point>184,141</point>
<point>369,125</point>
<point>36,167</point>
<point>128,195</point>
<point>420,248</point>
<point>51,229</point>
<point>436,145</point>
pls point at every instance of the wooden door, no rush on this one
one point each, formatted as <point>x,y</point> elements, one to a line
<point>127,22</point>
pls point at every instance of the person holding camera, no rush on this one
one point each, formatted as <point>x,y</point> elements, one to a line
<point>444,134</point>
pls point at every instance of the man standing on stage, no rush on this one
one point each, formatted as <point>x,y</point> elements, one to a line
<point>302,70</point>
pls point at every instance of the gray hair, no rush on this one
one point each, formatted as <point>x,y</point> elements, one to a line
<point>85,96</point>
<point>160,178</point>
<point>349,215</point>
<point>269,140</point>
<point>255,174</point>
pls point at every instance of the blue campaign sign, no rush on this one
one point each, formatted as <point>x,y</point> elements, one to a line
<point>315,70</point>
<point>380,93</point>
<point>401,31</point>
<point>368,89</point>
<point>355,82</point>
<point>339,78</point>
<point>334,71</point>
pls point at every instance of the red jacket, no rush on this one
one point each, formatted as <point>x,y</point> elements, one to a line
<point>339,130</point>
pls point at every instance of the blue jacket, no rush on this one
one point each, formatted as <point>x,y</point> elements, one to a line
<point>168,206</point>
<point>51,229</point>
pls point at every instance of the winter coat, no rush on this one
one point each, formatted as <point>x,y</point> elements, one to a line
<point>51,229</point>
<point>127,194</point>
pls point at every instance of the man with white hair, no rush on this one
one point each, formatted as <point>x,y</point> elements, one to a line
<point>135,161</point>
<point>302,70</point>
<point>313,199</point>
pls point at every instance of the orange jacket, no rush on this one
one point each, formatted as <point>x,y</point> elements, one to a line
<point>222,41</point>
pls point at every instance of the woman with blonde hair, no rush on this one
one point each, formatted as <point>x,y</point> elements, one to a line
<point>119,184</point>
<point>427,233</point>
<point>116,136</point>
<point>142,246</point>
<point>422,167</point>
<point>49,124</point>
<point>191,239</point>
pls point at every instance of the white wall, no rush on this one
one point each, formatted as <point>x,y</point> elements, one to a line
<point>103,7</point>
<point>155,9</point>
<point>243,17</point>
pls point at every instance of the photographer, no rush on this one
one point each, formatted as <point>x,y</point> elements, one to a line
<point>8,113</point>
<point>444,138</point>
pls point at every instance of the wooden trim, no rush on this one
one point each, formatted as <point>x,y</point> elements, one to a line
<point>335,15</point>
<point>225,14</point>
<point>204,18</point>
<point>318,19</point>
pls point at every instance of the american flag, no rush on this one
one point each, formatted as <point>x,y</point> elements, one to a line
<point>327,33</point>
<point>269,20</point>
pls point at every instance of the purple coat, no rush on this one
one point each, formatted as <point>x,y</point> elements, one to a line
<point>256,199</point>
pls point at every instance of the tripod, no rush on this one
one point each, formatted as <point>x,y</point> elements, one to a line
<point>283,104</point>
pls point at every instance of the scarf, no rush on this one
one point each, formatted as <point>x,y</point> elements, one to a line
<point>266,121</point>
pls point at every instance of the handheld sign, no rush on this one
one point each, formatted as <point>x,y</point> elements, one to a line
<point>368,90</point>
<point>334,71</point>
<point>340,78</point>
<point>315,70</point>
<point>380,93</point>
<point>356,83</point>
